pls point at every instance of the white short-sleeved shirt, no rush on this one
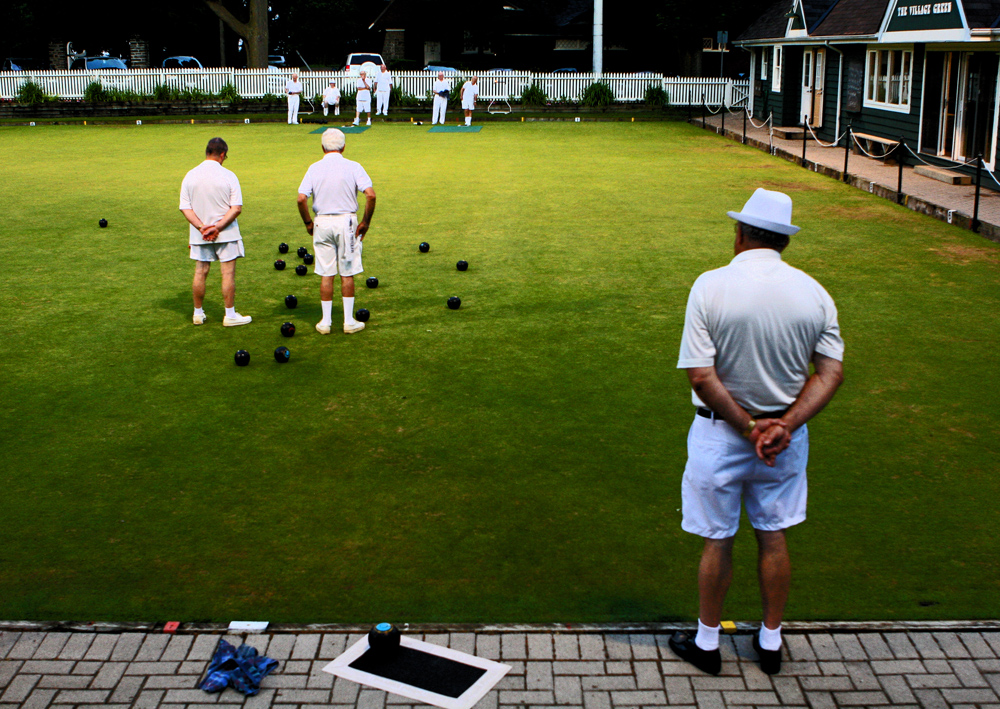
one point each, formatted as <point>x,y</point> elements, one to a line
<point>758,321</point>
<point>441,85</point>
<point>384,81</point>
<point>210,190</point>
<point>469,91</point>
<point>293,87</point>
<point>334,183</point>
<point>331,95</point>
<point>363,93</point>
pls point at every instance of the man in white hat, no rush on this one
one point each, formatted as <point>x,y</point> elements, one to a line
<point>334,183</point>
<point>751,330</point>
<point>331,97</point>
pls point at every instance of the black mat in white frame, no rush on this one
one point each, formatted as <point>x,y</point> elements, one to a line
<point>436,659</point>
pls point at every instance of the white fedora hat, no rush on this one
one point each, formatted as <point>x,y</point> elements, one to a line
<point>769,210</point>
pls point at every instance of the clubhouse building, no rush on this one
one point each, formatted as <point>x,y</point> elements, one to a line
<point>923,71</point>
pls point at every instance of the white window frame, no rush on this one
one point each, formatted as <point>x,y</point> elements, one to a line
<point>880,68</point>
<point>776,66</point>
<point>763,65</point>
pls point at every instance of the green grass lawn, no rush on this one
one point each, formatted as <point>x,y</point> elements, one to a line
<point>516,460</point>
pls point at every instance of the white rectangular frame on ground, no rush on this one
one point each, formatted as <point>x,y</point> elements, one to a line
<point>495,671</point>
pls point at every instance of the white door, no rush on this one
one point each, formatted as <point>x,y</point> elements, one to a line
<point>806,110</point>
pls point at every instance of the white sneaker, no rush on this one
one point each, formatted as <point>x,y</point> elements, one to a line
<point>369,122</point>
<point>199,319</point>
<point>355,123</point>
<point>354,327</point>
<point>238,320</point>
<point>322,329</point>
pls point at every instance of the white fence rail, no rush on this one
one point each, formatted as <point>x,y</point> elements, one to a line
<point>255,83</point>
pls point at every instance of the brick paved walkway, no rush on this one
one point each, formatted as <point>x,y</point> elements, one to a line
<point>924,193</point>
<point>565,669</point>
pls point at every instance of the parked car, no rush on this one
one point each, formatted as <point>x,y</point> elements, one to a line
<point>23,64</point>
<point>104,61</point>
<point>356,60</point>
<point>564,70</point>
<point>182,63</point>
<point>276,60</point>
<point>445,69</point>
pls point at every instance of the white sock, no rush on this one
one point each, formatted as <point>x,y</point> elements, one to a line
<point>349,310</point>
<point>770,639</point>
<point>468,121</point>
<point>230,312</point>
<point>199,311</point>
<point>707,638</point>
<point>327,311</point>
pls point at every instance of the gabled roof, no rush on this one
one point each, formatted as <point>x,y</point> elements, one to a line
<point>982,13</point>
<point>770,25</point>
<point>852,17</point>
<point>815,10</point>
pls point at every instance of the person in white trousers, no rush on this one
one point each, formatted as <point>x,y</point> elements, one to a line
<point>470,90</point>
<point>442,91</point>
<point>383,85</point>
<point>294,89</point>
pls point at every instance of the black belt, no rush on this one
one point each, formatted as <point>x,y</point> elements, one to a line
<point>709,414</point>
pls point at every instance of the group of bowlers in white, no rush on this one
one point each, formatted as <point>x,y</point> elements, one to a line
<point>383,88</point>
<point>761,347</point>
<point>211,200</point>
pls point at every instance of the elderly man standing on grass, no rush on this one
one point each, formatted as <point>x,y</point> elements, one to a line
<point>211,200</point>
<point>442,91</point>
<point>750,332</point>
<point>383,85</point>
<point>334,183</point>
<point>293,87</point>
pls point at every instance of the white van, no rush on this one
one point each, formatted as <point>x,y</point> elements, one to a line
<point>357,60</point>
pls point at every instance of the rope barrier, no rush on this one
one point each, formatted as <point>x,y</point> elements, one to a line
<point>941,167</point>
<point>834,144</point>
<point>754,124</point>
<point>990,173</point>
<point>709,108</point>
<point>873,157</point>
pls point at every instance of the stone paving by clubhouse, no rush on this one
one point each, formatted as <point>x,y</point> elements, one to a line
<point>551,668</point>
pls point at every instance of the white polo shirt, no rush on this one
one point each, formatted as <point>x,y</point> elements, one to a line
<point>334,183</point>
<point>331,95</point>
<point>469,91</point>
<point>759,321</point>
<point>383,82</point>
<point>363,93</point>
<point>210,190</point>
<point>293,87</point>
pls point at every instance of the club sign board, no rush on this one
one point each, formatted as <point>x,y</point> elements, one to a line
<point>917,21</point>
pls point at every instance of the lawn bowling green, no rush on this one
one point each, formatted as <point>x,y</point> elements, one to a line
<point>517,460</point>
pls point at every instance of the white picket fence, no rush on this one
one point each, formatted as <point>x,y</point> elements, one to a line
<point>255,83</point>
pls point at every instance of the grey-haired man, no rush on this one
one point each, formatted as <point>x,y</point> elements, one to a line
<point>334,183</point>
<point>751,330</point>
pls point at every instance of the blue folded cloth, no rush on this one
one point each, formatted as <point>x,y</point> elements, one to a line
<point>240,668</point>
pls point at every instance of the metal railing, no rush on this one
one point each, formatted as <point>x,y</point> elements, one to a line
<point>255,83</point>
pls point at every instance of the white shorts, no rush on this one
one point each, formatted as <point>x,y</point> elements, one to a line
<point>364,105</point>
<point>722,468</point>
<point>469,105</point>
<point>226,251</point>
<point>338,250</point>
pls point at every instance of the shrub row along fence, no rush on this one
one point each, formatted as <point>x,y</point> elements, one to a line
<point>257,83</point>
